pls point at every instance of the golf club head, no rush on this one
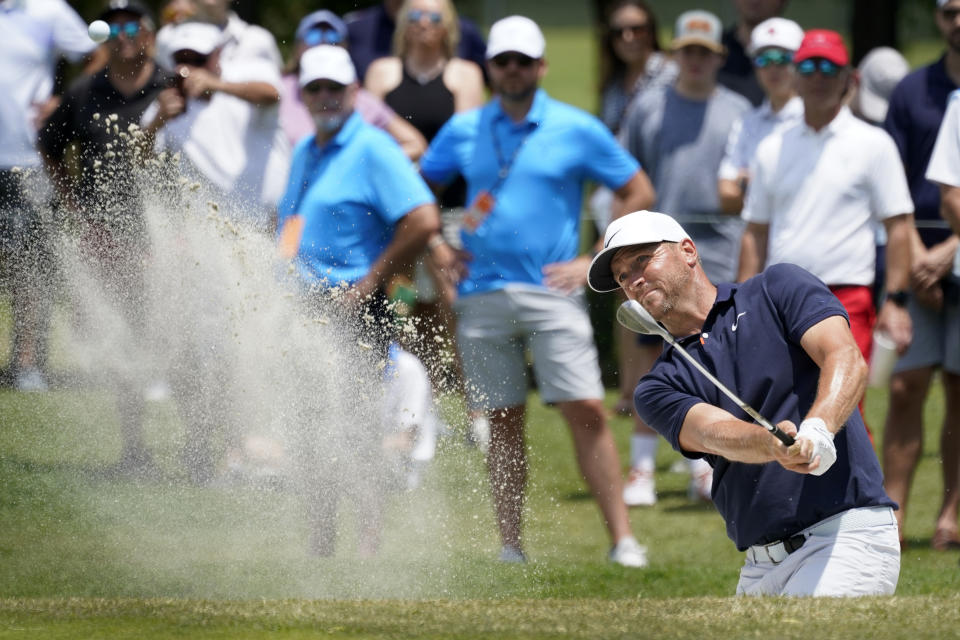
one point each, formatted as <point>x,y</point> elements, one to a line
<point>633,316</point>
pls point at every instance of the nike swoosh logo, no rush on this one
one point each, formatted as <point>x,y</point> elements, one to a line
<point>610,239</point>
<point>736,322</point>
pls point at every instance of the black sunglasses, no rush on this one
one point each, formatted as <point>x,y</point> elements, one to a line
<point>504,59</point>
<point>324,85</point>
<point>635,30</point>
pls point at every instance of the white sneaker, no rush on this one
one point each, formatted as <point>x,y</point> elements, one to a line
<point>629,553</point>
<point>30,381</point>
<point>480,433</point>
<point>700,485</point>
<point>509,554</point>
<point>640,490</point>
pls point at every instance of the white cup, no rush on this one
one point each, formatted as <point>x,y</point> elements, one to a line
<point>882,358</point>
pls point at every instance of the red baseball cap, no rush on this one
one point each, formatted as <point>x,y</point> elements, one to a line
<point>822,43</point>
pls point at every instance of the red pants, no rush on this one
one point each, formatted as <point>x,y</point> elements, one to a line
<point>858,301</point>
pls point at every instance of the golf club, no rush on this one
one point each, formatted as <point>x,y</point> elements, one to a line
<point>634,317</point>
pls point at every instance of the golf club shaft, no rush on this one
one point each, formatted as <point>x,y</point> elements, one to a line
<point>753,413</point>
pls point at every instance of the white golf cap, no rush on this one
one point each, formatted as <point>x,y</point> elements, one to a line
<point>775,32</point>
<point>639,227</point>
<point>880,72</point>
<point>516,33</point>
<point>698,28</point>
<point>201,37</point>
<point>326,62</point>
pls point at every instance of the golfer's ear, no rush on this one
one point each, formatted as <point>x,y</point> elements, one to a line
<point>688,251</point>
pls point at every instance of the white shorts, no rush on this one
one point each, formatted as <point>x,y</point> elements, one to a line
<point>841,557</point>
<point>494,330</point>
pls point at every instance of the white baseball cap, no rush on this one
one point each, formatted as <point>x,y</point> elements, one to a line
<point>516,33</point>
<point>775,32</point>
<point>698,28</point>
<point>639,227</point>
<point>201,37</point>
<point>326,62</point>
<point>880,72</point>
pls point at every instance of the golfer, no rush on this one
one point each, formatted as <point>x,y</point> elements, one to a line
<point>813,517</point>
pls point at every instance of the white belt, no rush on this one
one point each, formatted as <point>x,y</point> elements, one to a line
<point>777,552</point>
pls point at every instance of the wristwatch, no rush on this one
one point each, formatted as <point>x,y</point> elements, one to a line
<point>898,297</point>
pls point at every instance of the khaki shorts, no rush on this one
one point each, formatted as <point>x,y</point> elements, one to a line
<point>494,331</point>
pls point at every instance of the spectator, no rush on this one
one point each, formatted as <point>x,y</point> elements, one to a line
<point>240,39</point>
<point>224,120</point>
<point>678,132</point>
<point>631,63</point>
<point>916,110</point>
<point>104,204</point>
<point>772,46</point>
<point>372,33</point>
<point>737,71</point>
<point>818,186</point>
<point>813,517</point>
<point>35,35</point>
<point>354,212</point>
<point>525,157</point>
<point>324,27</point>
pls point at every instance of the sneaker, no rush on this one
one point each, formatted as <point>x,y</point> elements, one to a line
<point>30,381</point>
<point>700,484</point>
<point>510,554</point>
<point>640,490</point>
<point>629,553</point>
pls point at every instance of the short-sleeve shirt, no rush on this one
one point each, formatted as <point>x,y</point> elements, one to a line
<point>751,343</point>
<point>350,194</point>
<point>615,101</point>
<point>821,193</point>
<point>536,217</point>
<point>680,143</point>
<point>917,106</point>
<point>84,116</point>
<point>749,130</point>
<point>32,36</point>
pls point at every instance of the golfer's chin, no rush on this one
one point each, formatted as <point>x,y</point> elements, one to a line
<point>652,301</point>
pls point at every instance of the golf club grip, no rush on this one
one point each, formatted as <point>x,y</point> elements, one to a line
<point>750,411</point>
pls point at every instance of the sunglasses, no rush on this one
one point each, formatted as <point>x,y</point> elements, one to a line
<point>324,85</point>
<point>824,66</point>
<point>950,14</point>
<point>635,31</point>
<point>415,15</point>
<point>504,59</point>
<point>773,57</point>
<point>129,29</point>
<point>190,58</point>
<point>321,35</point>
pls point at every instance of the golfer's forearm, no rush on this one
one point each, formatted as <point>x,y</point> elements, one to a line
<point>843,380</point>
<point>709,429</point>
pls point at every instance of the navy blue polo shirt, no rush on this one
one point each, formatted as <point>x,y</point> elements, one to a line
<point>751,342</point>
<point>916,109</point>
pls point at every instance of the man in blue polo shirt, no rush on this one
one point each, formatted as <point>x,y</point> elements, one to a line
<point>813,517</point>
<point>917,107</point>
<point>354,213</point>
<point>525,157</point>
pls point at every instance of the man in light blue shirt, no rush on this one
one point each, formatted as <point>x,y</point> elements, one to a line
<point>525,158</point>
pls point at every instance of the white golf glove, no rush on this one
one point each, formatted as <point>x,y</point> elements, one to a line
<point>815,430</point>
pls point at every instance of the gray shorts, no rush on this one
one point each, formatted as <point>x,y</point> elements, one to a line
<point>936,334</point>
<point>494,331</point>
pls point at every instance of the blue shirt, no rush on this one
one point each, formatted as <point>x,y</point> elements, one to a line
<point>536,218</point>
<point>751,343</point>
<point>350,193</point>
<point>917,106</point>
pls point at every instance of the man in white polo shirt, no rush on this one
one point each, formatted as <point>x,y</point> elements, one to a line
<point>225,121</point>
<point>817,187</point>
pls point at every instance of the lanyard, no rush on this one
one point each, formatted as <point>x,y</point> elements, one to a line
<point>506,165</point>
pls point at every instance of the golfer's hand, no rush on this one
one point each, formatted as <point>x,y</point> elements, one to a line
<point>895,322</point>
<point>798,457</point>
<point>567,277</point>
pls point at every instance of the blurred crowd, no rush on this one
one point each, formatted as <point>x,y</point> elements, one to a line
<point>402,159</point>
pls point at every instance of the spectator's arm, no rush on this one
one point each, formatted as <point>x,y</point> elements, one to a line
<point>409,239</point>
<point>893,319</point>
<point>383,76</point>
<point>636,195</point>
<point>950,206</point>
<point>731,194</point>
<point>201,82</point>
<point>410,140</point>
<point>753,250</point>
<point>465,81</point>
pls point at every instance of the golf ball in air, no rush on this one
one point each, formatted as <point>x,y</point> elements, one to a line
<point>99,31</point>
